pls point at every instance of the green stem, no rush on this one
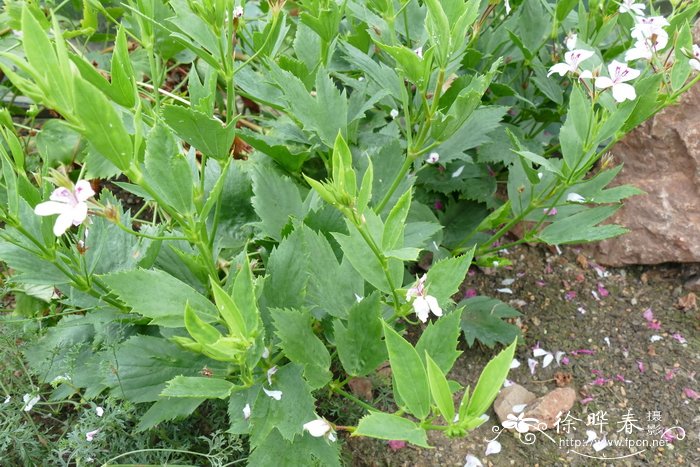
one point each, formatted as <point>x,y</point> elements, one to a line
<point>357,401</point>
<point>382,260</point>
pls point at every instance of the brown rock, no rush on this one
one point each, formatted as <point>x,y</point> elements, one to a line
<point>361,387</point>
<point>547,408</point>
<point>509,397</point>
<point>662,158</point>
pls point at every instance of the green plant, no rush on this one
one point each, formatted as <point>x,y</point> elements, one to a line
<point>263,278</point>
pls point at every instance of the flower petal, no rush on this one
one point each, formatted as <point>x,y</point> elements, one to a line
<point>603,82</point>
<point>560,68</point>
<point>494,447</point>
<point>472,461</point>
<point>276,395</point>
<point>83,190</point>
<point>317,428</point>
<point>63,195</point>
<point>434,305</point>
<point>63,222</point>
<point>623,91</point>
<point>49,208</point>
<point>422,308</point>
<point>79,213</point>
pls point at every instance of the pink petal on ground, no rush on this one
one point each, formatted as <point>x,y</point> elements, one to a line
<point>582,352</point>
<point>540,283</point>
<point>532,363</point>
<point>597,372</point>
<point>655,325</point>
<point>470,293</point>
<point>548,269</point>
<point>640,365</point>
<point>690,394</point>
<point>599,381</point>
<point>395,444</point>
<point>565,360</point>
<point>679,338</point>
<point>602,290</point>
<point>648,314</point>
<point>472,272</point>
<point>570,295</point>
<point>587,400</point>
<point>670,374</point>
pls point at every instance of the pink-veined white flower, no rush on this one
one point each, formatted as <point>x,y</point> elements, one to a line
<point>70,206</point>
<point>570,41</point>
<point>432,158</point>
<point>394,113</point>
<point>695,62</point>
<point>419,51</point>
<point>423,304</point>
<point>238,12</point>
<point>649,33</point>
<point>629,6</point>
<point>90,435</point>
<point>29,402</point>
<point>319,428</point>
<point>571,62</point>
<point>619,74</point>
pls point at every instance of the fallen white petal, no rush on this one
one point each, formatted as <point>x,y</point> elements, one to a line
<point>29,402</point>
<point>271,372</point>
<point>558,356</point>
<point>607,340</point>
<point>457,172</point>
<point>591,436</point>
<point>90,435</point>
<point>505,290</point>
<point>532,364</point>
<point>508,281</point>
<point>655,338</point>
<point>472,461</point>
<point>494,447</point>
<point>99,411</point>
<point>246,412</point>
<point>514,364</point>
<point>600,445</point>
<point>276,395</point>
<point>547,360</point>
<point>539,352</point>
<point>7,400</point>
<point>519,408</point>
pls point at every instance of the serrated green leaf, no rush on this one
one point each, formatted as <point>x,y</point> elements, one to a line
<point>276,199</point>
<point>445,277</point>
<point>167,409</point>
<point>490,381</point>
<point>582,227</point>
<point>359,344</point>
<point>439,340</point>
<point>395,222</point>
<point>198,387</point>
<point>302,346</point>
<point>286,415</point>
<point>304,450</point>
<point>391,427</point>
<point>208,134</point>
<point>158,295</point>
<point>168,171</point>
<point>244,296</point>
<point>483,319</point>
<point>410,378</point>
<point>229,311</point>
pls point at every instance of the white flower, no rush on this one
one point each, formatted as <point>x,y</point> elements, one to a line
<point>238,12</point>
<point>648,28</point>
<point>419,52</point>
<point>246,412</point>
<point>432,158</point>
<point>572,59</point>
<point>99,411</point>
<point>628,6</point>
<point>695,62</point>
<point>276,395</point>
<point>570,41</point>
<point>69,205</point>
<point>494,447</point>
<point>29,402</point>
<point>520,424</point>
<point>319,428</point>
<point>423,303</point>
<point>619,73</point>
<point>90,435</point>
<point>394,113</point>
<point>472,461</point>
<point>575,198</point>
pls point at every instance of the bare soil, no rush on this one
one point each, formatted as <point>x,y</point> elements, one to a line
<point>620,371</point>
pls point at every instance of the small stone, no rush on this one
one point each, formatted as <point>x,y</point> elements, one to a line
<point>361,387</point>
<point>509,397</point>
<point>546,409</point>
